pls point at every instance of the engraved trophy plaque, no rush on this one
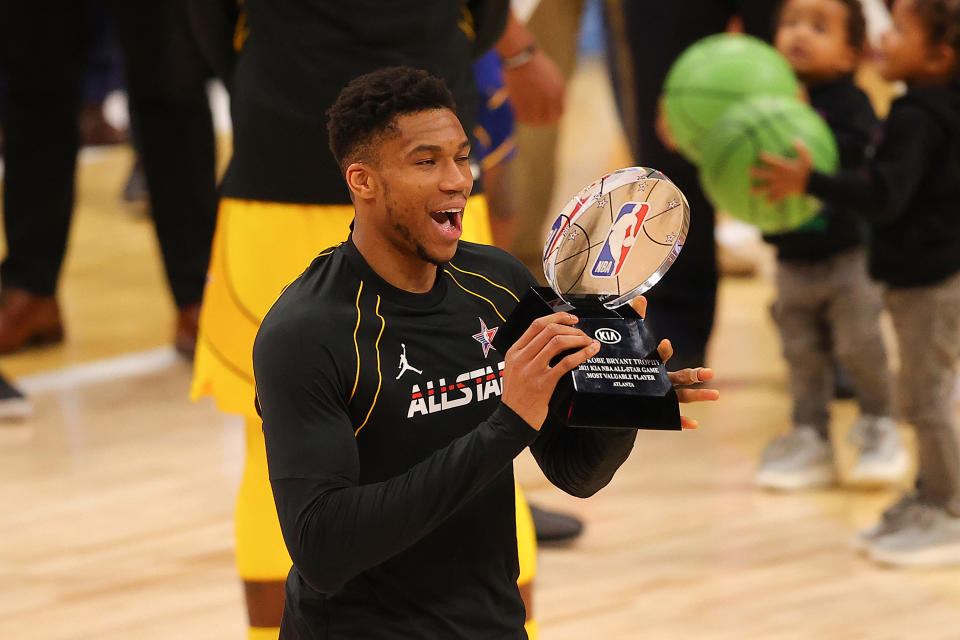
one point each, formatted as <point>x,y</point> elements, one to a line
<point>613,241</point>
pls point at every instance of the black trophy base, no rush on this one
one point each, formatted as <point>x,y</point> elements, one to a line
<point>625,385</point>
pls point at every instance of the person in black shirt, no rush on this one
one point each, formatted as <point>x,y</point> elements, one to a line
<point>826,303</point>
<point>390,420</point>
<point>909,192</point>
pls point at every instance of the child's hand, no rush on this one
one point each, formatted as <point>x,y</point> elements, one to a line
<point>780,177</point>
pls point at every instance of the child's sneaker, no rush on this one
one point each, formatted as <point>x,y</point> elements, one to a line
<point>927,536</point>
<point>893,519</point>
<point>800,459</point>
<point>882,459</point>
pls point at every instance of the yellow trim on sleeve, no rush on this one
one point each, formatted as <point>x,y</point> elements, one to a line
<point>356,347</point>
<point>495,310</point>
<point>480,275</point>
<point>383,324</point>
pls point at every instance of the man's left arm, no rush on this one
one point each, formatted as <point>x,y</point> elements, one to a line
<point>580,461</point>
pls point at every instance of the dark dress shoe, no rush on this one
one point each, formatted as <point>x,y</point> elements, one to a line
<point>554,527</point>
<point>28,320</point>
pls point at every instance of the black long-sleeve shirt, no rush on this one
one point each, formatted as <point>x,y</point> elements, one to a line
<point>910,190</point>
<point>847,111</point>
<point>390,454</point>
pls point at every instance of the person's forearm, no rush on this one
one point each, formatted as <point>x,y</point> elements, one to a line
<point>847,189</point>
<point>334,533</point>
<point>581,461</point>
<point>865,193</point>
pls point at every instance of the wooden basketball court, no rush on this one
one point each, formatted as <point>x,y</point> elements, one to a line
<point>117,495</point>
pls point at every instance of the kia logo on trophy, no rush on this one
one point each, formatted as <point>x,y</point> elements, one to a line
<point>607,336</point>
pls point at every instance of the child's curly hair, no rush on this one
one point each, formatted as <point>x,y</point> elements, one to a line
<point>941,19</point>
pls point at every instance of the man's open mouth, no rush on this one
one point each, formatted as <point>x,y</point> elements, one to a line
<point>450,220</point>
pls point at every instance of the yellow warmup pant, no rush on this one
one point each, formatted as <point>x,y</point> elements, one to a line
<point>259,248</point>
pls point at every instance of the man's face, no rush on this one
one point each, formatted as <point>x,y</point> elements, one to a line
<point>426,178</point>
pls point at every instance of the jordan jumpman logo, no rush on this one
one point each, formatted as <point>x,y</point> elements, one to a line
<point>404,365</point>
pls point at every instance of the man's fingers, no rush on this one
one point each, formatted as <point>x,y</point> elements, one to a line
<point>639,304</point>
<point>558,344</point>
<point>665,350</point>
<point>697,395</point>
<point>551,333</point>
<point>690,376</point>
<point>573,360</point>
<point>688,423</point>
<point>540,324</point>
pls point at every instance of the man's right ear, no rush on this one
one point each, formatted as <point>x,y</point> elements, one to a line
<point>361,180</point>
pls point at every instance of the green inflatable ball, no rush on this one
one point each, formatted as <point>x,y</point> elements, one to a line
<point>733,145</point>
<point>712,75</point>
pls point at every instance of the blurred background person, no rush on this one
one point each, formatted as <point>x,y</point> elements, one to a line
<point>42,50</point>
<point>827,305</point>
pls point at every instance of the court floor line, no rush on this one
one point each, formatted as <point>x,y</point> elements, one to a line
<point>129,365</point>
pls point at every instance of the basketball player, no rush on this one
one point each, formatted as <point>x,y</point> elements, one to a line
<point>283,199</point>
<point>396,497</point>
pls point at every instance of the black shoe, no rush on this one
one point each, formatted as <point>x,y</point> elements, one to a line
<point>13,404</point>
<point>554,527</point>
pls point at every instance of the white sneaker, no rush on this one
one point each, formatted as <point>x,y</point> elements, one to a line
<point>800,459</point>
<point>893,519</point>
<point>928,536</point>
<point>883,460</point>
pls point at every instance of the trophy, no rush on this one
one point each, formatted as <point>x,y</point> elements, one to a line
<point>613,241</point>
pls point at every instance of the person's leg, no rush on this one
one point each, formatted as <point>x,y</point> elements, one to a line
<point>41,48</point>
<point>927,322</point>
<point>262,559</point>
<point>854,311</point>
<point>166,80</point>
<point>102,73</point>
<point>924,527</point>
<point>803,457</point>
<point>646,38</point>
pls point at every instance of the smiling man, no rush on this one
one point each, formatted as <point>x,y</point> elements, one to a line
<point>395,492</point>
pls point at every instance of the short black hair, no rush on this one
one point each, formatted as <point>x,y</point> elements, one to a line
<point>941,20</point>
<point>856,23</point>
<point>368,107</point>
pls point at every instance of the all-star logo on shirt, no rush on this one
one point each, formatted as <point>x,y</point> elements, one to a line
<point>485,337</point>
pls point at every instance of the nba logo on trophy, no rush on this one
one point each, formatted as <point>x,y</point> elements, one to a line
<point>620,240</point>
